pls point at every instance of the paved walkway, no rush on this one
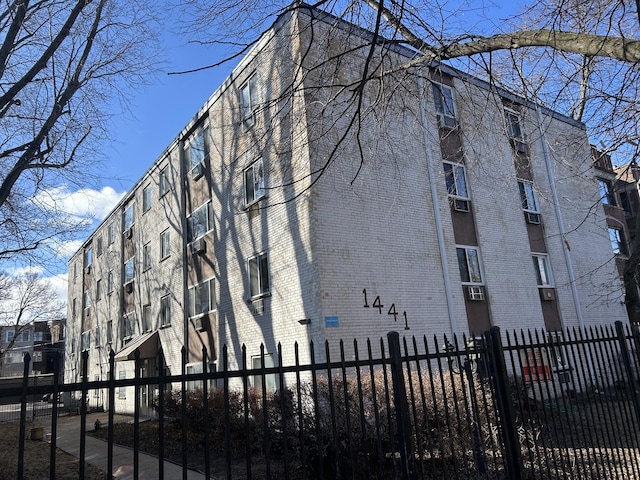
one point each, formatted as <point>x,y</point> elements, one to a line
<point>68,439</point>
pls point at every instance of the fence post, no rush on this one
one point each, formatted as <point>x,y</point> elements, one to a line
<point>23,415</point>
<point>504,406</point>
<point>401,407</point>
<point>626,358</point>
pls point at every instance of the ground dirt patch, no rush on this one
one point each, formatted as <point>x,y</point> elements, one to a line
<point>36,458</point>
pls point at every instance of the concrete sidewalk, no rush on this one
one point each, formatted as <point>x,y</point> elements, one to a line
<point>68,439</point>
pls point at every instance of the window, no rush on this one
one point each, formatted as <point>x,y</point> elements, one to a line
<point>24,336</point>
<point>445,105</point>
<point>254,182</point>
<point>269,378</point>
<point>200,221</point>
<point>127,220</point>
<point>249,100</point>
<point>128,326</point>
<point>514,125</point>
<point>98,290</point>
<point>456,180</point>
<point>618,243</point>
<point>146,318</point>
<point>111,233</point>
<point>97,336</point>
<point>625,204</point>
<point>73,308</point>
<point>37,356</point>
<point>146,198</point>
<point>469,264</point>
<point>197,148</point>
<point>193,368</point>
<point>258,275</point>
<point>99,246</point>
<point>96,392</point>
<point>164,181</point>
<point>110,281</point>
<point>38,336</point>
<point>88,257</point>
<point>146,257</point>
<point>86,301</point>
<point>122,391</point>
<point>129,270</point>
<point>606,192</point>
<point>543,272</point>
<point>165,244</point>
<point>9,335</point>
<point>556,350</point>
<point>201,298</point>
<point>165,310</point>
<point>86,341</point>
<point>75,270</point>
<point>527,196</point>
<point>109,331</point>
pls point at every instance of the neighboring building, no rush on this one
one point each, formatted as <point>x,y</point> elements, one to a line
<point>627,191</point>
<point>454,206</point>
<point>40,339</point>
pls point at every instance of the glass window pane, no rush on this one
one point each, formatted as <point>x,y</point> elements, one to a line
<point>474,265</point>
<point>462,264</point>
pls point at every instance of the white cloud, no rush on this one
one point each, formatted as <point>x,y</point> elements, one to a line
<point>81,203</point>
<point>59,285</point>
<point>66,249</point>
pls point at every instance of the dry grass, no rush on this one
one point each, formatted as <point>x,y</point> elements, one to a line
<point>36,458</point>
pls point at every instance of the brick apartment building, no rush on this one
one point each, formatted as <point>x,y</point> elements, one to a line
<point>281,213</point>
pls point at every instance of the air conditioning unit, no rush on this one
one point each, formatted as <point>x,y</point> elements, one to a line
<point>547,294</point>
<point>197,171</point>
<point>129,232</point>
<point>446,121</point>
<point>258,306</point>
<point>198,246</point>
<point>533,218</point>
<point>460,205</point>
<point>87,269</point>
<point>475,293</point>
<point>129,287</point>
<point>87,311</point>
<point>200,323</point>
<point>519,145</point>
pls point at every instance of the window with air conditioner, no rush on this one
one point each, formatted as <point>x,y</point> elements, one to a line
<point>197,151</point>
<point>249,101</point>
<point>254,182</point>
<point>258,276</point>
<point>200,221</point>
<point>444,99</point>
<point>202,298</point>
<point>529,201</point>
<point>469,265</point>
<point>456,181</point>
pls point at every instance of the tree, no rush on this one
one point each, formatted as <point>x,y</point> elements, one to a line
<point>24,299</point>
<point>60,60</point>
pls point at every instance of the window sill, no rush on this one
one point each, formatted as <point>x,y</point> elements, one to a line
<point>258,297</point>
<point>248,206</point>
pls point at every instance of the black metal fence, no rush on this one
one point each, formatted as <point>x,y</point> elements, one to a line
<point>514,406</point>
